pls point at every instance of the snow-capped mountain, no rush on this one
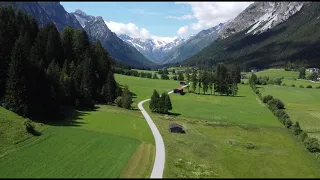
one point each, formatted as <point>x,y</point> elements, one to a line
<point>153,48</point>
<point>193,44</point>
<point>261,16</point>
<point>117,48</point>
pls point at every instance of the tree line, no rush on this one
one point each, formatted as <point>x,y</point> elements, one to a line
<point>277,106</point>
<point>42,71</point>
<point>223,79</point>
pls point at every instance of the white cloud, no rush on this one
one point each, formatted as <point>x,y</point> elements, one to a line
<point>209,14</point>
<point>129,29</point>
<point>184,17</point>
<point>183,30</point>
<point>134,31</point>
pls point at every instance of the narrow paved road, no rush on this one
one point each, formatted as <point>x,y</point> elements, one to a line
<point>158,165</point>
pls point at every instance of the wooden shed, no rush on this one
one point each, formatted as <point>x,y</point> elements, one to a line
<point>176,128</point>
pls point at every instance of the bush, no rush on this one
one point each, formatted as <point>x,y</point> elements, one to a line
<point>279,104</point>
<point>267,98</point>
<point>288,123</point>
<point>309,86</point>
<point>303,135</point>
<point>118,101</point>
<point>284,85</point>
<point>312,144</point>
<point>292,85</point>
<point>30,127</point>
<point>296,128</point>
<point>301,86</point>
<point>318,87</point>
<point>242,82</point>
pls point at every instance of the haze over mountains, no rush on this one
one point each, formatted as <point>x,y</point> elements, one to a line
<point>248,37</point>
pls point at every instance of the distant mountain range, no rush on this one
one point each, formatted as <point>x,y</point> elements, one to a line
<point>46,12</point>
<point>152,48</point>
<point>286,31</point>
<point>265,34</point>
<point>176,50</point>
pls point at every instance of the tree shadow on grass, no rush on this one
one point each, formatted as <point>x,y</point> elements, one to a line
<point>71,117</point>
<point>173,114</point>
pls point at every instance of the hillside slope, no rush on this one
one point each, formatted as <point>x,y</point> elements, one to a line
<point>117,48</point>
<point>193,45</point>
<point>298,38</point>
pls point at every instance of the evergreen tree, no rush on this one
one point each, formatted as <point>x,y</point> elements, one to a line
<point>16,92</point>
<point>180,76</point>
<point>154,104</point>
<point>118,90</point>
<point>205,81</point>
<point>194,80</point>
<point>200,78</point>
<point>163,106</point>
<point>302,73</point>
<point>211,81</point>
<point>126,98</point>
<point>168,102</point>
<point>106,93</point>
<point>155,76</point>
<point>67,43</point>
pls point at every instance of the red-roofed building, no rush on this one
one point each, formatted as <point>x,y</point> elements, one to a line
<point>178,90</point>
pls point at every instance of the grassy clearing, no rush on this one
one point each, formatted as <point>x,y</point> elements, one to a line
<point>213,150</point>
<point>211,122</point>
<point>98,144</point>
<point>302,104</point>
<point>143,87</point>
<point>242,109</point>
<point>69,152</point>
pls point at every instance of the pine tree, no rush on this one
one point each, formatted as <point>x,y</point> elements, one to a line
<point>155,76</point>
<point>163,106</point>
<point>16,92</point>
<point>154,103</point>
<point>194,80</point>
<point>296,128</point>
<point>168,102</point>
<point>180,76</point>
<point>67,43</point>
<point>106,93</point>
<point>126,98</point>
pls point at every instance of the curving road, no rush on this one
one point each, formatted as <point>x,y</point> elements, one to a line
<point>158,165</point>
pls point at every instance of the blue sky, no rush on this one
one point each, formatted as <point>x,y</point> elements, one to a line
<point>159,19</point>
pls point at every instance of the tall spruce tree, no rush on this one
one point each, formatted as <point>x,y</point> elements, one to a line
<point>194,80</point>
<point>168,102</point>
<point>163,106</point>
<point>154,104</point>
<point>126,98</point>
<point>16,92</point>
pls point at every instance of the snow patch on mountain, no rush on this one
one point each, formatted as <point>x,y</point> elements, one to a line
<point>261,16</point>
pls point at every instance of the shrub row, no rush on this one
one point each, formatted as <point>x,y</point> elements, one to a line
<point>130,72</point>
<point>277,106</point>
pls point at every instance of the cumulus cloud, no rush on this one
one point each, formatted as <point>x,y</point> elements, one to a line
<point>183,30</point>
<point>209,14</point>
<point>134,31</point>
<point>184,17</point>
<point>129,29</point>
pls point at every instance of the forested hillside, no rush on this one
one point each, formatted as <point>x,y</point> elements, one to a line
<point>296,39</point>
<point>43,71</point>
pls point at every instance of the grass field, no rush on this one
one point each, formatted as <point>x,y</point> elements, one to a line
<point>143,87</point>
<point>302,105</point>
<point>101,143</point>
<point>211,123</point>
<point>289,77</point>
<point>245,108</point>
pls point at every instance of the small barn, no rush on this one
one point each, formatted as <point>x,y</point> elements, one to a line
<point>176,128</point>
<point>178,90</point>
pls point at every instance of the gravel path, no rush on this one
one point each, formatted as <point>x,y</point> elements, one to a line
<point>159,161</point>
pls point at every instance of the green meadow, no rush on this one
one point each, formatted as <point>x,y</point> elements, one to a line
<point>107,142</point>
<point>225,136</point>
